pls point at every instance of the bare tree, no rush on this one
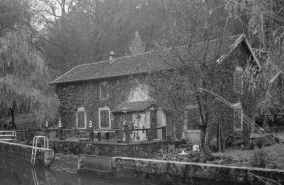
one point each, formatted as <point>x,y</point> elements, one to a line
<point>194,67</point>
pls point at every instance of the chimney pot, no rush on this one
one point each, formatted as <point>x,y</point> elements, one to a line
<point>111,55</point>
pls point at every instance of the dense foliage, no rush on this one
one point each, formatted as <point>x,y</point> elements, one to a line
<point>24,74</point>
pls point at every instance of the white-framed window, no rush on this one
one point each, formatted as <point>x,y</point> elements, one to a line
<point>104,117</point>
<point>103,91</point>
<point>81,118</point>
<point>238,80</point>
<point>238,116</point>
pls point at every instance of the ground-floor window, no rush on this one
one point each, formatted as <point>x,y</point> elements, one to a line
<point>104,117</point>
<point>81,118</point>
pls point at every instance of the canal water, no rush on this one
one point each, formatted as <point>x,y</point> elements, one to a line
<point>14,171</point>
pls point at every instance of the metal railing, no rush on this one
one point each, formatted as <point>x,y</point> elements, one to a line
<point>8,135</point>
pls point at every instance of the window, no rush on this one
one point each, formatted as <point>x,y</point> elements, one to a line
<point>238,80</point>
<point>81,118</point>
<point>104,117</point>
<point>192,117</point>
<point>238,117</point>
<point>103,91</point>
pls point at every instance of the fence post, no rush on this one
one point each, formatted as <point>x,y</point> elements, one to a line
<point>126,132</point>
<point>91,133</point>
<point>99,136</point>
<point>46,129</point>
<point>164,131</point>
<point>115,137</point>
<point>25,135</point>
<point>46,132</point>
<point>59,130</point>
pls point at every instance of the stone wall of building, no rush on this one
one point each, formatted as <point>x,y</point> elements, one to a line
<point>87,95</point>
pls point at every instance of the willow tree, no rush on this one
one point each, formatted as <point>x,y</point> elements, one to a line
<point>24,77</point>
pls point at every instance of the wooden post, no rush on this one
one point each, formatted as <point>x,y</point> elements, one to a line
<point>91,133</point>
<point>59,130</point>
<point>219,138</point>
<point>126,132</point>
<point>107,136</point>
<point>59,133</point>
<point>147,135</point>
<point>25,134</point>
<point>223,138</point>
<point>99,136</point>
<point>115,137</point>
<point>46,132</point>
<point>164,131</point>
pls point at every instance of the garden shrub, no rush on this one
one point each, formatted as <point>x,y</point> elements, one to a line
<point>259,159</point>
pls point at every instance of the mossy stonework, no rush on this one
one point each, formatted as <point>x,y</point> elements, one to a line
<point>171,172</point>
<point>140,150</point>
<point>43,156</point>
<point>87,94</point>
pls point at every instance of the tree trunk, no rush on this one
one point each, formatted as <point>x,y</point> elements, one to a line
<point>13,119</point>
<point>202,139</point>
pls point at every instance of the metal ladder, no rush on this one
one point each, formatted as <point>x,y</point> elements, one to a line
<point>35,177</point>
<point>35,148</point>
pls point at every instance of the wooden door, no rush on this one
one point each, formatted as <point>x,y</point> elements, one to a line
<point>153,124</point>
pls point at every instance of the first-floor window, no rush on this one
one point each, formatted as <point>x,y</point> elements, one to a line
<point>104,117</point>
<point>81,118</point>
<point>238,117</point>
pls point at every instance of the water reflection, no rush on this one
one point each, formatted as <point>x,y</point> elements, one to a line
<point>14,171</point>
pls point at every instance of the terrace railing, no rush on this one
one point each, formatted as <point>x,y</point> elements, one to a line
<point>109,135</point>
<point>8,135</point>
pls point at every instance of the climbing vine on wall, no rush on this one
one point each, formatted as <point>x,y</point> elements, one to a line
<point>87,94</point>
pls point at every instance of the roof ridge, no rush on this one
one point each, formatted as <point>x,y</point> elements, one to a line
<point>122,57</point>
<point>149,52</point>
<point>119,60</point>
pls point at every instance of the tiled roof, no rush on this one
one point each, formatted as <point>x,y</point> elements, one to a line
<point>151,61</point>
<point>133,106</point>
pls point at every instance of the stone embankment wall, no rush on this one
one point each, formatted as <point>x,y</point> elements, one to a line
<point>44,156</point>
<point>141,150</point>
<point>172,172</point>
